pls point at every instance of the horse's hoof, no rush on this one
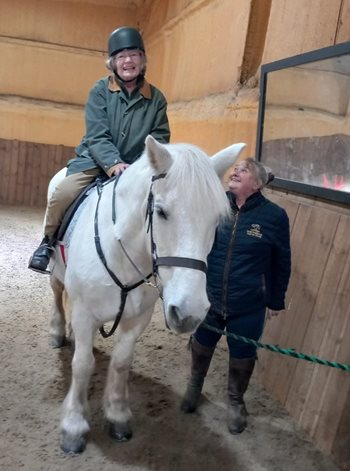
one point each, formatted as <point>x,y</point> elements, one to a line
<point>57,341</point>
<point>119,431</point>
<point>72,444</point>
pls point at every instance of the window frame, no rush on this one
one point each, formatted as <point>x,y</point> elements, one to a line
<point>308,57</point>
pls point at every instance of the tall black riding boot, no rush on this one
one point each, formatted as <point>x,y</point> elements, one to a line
<point>240,372</point>
<point>201,358</point>
<point>41,256</point>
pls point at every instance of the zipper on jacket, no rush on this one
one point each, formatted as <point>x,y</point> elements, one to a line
<point>227,267</point>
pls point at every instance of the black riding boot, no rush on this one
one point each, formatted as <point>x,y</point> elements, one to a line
<point>41,256</point>
<point>240,371</point>
<point>201,358</point>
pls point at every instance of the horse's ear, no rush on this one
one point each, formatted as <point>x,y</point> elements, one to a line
<point>158,155</point>
<point>225,158</point>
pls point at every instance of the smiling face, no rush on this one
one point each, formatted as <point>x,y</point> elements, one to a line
<point>129,64</point>
<point>244,179</point>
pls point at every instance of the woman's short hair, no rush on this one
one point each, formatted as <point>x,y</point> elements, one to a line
<point>262,174</point>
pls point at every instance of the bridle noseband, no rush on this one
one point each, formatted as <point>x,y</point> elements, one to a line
<point>156,261</point>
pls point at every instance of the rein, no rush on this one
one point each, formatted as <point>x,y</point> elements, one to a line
<point>156,261</point>
<point>124,288</point>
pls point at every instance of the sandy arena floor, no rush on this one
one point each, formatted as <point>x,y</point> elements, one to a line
<point>35,379</point>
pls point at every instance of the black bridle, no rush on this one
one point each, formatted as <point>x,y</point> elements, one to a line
<point>156,261</point>
<point>166,261</point>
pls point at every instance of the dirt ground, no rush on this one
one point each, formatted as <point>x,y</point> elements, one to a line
<point>35,378</point>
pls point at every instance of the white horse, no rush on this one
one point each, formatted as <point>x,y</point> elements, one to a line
<point>167,206</point>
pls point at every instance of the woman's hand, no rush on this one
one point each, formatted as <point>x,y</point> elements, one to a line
<point>271,313</point>
<point>117,169</point>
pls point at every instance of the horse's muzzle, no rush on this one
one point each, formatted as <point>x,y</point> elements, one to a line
<point>179,323</point>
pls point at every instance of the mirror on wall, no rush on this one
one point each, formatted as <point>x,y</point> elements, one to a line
<point>304,122</point>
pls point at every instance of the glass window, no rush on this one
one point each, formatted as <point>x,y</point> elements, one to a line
<point>304,122</point>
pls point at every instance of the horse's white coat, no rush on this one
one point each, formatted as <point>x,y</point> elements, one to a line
<point>193,200</point>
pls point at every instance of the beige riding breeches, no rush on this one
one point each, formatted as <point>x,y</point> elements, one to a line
<point>64,195</point>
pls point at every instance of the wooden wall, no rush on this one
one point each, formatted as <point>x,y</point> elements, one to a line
<point>52,53</point>
<point>26,169</point>
<point>317,322</point>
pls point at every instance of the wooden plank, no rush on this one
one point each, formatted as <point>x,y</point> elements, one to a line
<point>50,171</point>
<point>308,381</point>
<point>311,243</point>
<point>57,163</point>
<point>340,208</point>
<point>40,179</point>
<point>6,168</point>
<point>2,176</point>
<point>52,165</point>
<point>28,173</point>
<point>341,449</point>
<point>22,155</point>
<point>35,169</point>
<point>26,168</point>
<point>13,173</point>
<point>277,329</point>
<point>335,345</point>
<point>41,150</point>
<point>44,153</point>
<point>343,27</point>
<point>317,396</point>
<point>69,153</point>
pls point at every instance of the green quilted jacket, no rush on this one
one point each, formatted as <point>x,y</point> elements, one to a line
<point>117,125</point>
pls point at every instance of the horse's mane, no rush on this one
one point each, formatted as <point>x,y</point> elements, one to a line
<point>191,169</point>
<point>191,173</point>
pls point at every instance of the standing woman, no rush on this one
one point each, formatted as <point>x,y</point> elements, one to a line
<point>248,273</point>
<point>122,109</point>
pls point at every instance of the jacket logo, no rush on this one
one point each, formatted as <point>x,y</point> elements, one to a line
<point>254,231</point>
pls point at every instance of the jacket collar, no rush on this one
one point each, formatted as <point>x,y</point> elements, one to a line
<point>145,89</point>
<point>253,200</point>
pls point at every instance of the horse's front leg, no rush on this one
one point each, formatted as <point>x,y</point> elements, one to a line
<point>116,401</point>
<point>58,321</point>
<point>74,425</point>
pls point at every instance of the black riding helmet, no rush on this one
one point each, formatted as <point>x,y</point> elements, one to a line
<point>124,38</point>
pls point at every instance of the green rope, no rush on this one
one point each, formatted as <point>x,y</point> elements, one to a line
<point>284,351</point>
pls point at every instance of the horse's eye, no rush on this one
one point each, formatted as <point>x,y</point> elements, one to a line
<point>161,213</point>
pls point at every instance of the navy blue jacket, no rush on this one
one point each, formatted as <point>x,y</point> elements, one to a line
<point>249,264</point>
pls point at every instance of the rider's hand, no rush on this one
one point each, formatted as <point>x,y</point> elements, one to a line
<point>117,169</point>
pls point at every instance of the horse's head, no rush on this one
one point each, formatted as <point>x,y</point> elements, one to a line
<point>187,202</point>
